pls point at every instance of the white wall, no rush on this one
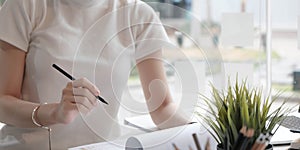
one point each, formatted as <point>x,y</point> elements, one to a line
<point>284,12</point>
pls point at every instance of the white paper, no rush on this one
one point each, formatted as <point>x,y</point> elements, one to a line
<point>142,122</point>
<point>1,125</point>
<point>237,29</point>
<point>163,139</point>
<point>99,146</point>
<point>158,140</point>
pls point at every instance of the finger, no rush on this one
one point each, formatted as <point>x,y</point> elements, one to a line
<point>81,103</point>
<point>69,85</point>
<point>67,91</point>
<point>85,93</point>
<point>78,100</point>
<point>82,109</point>
<point>85,83</point>
<point>84,101</point>
<point>68,99</point>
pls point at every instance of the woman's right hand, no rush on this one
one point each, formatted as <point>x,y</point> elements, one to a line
<point>78,96</point>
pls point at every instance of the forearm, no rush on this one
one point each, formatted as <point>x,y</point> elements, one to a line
<point>163,110</point>
<point>17,112</point>
<point>169,115</point>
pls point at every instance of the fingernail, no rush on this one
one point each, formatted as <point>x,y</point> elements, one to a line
<point>97,93</point>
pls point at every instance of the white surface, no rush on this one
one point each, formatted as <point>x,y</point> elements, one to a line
<point>283,135</point>
<point>98,146</point>
<point>143,122</point>
<point>237,29</point>
<point>1,125</point>
<point>163,139</point>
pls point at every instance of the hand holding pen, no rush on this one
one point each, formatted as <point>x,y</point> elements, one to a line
<point>72,78</point>
<point>78,95</point>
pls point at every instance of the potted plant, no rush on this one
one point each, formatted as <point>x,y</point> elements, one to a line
<point>228,111</point>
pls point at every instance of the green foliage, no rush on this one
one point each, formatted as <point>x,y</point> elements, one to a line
<point>1,2</point>
<point>240,106</point>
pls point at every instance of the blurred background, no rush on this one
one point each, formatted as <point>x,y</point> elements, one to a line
<point>212,26</point>
<point>224,38</point>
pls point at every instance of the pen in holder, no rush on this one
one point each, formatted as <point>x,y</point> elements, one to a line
<point>196,142</point>
<point>244,138</point>
<point>195,138</point>
<point>175,147</point>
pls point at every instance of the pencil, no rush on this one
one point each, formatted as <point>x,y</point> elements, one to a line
<point>175,147</point>
<point>72,78</point>
<point>249,135</point>
<point>196,141</point>
<point>207,146</point>
<point>241,138</point>
<point>259,141</point>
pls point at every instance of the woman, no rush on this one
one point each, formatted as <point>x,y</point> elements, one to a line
<point>94,40</point>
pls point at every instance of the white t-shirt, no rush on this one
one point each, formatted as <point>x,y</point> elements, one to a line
<point>96,39</point>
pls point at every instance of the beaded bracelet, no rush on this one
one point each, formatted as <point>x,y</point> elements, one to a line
<point>34,120</point>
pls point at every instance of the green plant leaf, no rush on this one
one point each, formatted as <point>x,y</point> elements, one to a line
<point>229,110</point>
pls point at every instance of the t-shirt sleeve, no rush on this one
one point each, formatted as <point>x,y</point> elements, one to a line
<point>15,23</point>
<point>149,33</point>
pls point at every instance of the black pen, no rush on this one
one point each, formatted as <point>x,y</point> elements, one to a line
<point>295,130</point>
<point>72,78</point>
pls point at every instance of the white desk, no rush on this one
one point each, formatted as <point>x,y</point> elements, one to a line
<point>1,125</point>
<point>280,147</point>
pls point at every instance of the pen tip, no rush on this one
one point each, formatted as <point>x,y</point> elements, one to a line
<point>102,100</point>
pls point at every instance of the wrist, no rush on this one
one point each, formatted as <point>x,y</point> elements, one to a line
<point>46,114</point>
